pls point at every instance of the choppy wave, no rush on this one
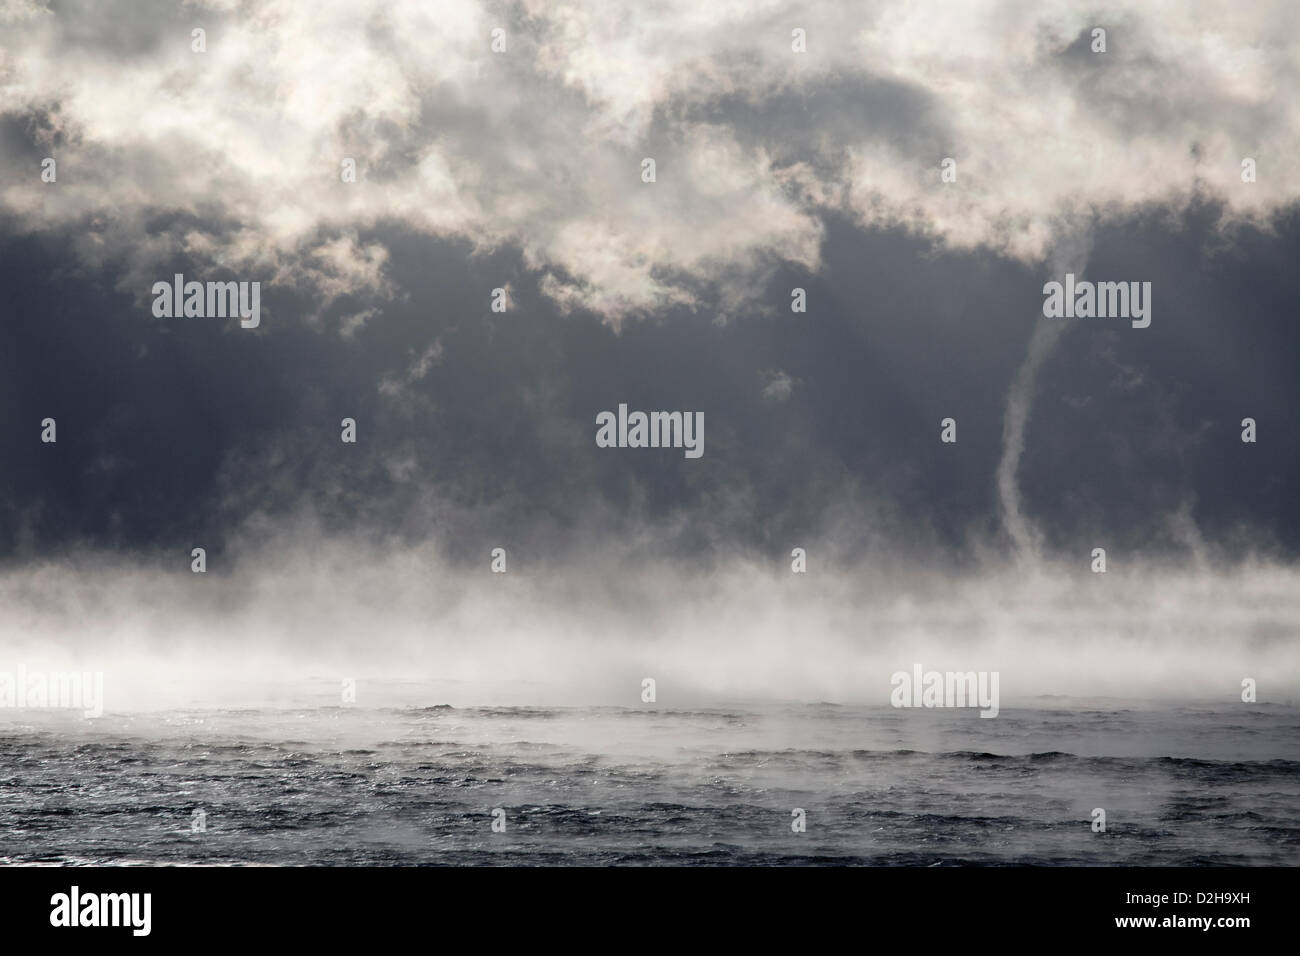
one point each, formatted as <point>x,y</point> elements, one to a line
<point>1187,785</point>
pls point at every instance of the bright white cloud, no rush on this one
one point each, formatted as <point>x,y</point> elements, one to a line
<point>541,146</point>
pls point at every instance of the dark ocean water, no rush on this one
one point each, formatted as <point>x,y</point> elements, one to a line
<point>1180,784</point>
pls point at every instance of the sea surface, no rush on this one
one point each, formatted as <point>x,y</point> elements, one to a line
<point>1187,783</point>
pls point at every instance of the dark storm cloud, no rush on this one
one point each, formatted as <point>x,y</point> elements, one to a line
<point>180,431</point>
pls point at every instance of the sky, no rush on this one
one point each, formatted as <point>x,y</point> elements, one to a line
<point>776,169</point>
